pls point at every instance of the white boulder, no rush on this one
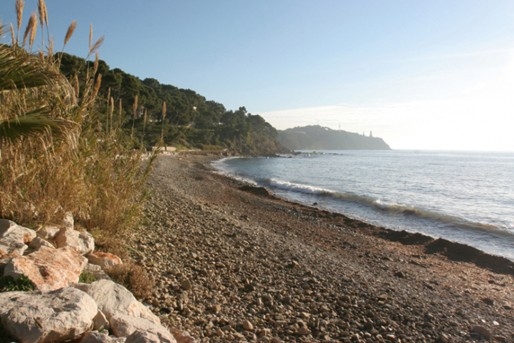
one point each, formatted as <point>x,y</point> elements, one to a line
<point>139,329</point>
<point>113,298</point>
<point>14,239</point>
<point>56,316</point>
<point>82,241</point>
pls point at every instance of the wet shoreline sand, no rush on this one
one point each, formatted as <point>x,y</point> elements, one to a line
<point>232,263</point>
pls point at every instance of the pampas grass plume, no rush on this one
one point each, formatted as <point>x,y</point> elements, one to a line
<point>97,45</point>
<point>43,13</point>
<point>70,31</point>
<point>19,12</point>
<point>31,30</point>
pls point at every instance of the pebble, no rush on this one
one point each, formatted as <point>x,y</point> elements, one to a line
<point>284,275</point>
<point>186,284</point>
<point>247,325</point>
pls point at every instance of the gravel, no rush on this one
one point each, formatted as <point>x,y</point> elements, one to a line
<point>232,264</point>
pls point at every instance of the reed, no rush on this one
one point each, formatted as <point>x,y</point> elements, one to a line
<point>60,149</point>
<point>30,31</point>
<point>43,13</point>
<point>20,4</point>
<point>69,32</point>
<point>163,114</point>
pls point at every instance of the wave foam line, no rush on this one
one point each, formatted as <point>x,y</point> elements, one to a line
<point>389,208</point>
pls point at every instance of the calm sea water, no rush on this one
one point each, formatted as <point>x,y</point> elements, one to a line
<point>460,196</point>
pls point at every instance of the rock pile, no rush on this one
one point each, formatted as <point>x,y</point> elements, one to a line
<point>60,308</point>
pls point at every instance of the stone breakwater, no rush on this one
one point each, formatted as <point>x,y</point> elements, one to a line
<point>234,266</point>
<point>61,309</point>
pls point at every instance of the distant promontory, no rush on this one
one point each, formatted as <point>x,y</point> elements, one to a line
<point>316,137</point>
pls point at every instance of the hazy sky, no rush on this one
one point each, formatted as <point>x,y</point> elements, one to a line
<point>420,74</point>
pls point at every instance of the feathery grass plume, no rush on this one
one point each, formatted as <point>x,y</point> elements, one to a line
<point>96,63</point>
<point>96,46</point>
<point>134,114</point>
<point>145,119</point>
<point>76,85</point>
<point>108,98</point>
<point>120,112</point>
<point>31,30</point>
<point>162,122</point>
<point>19,16</point>
<point>163,110</point>
<point>134,106</point>
<point>70,31</point>
<point>90,36</point>
<point>43,19</point>
<point>43,13</point>
<point>13,36</point>
<point>96,88</point>
<point>50,49</point>
<point>111,111</point>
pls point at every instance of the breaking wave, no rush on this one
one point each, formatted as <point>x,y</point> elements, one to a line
<point>388,208</point>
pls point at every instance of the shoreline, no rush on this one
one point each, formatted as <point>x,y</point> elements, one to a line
<point>233,263</point>
<point>484,256</point>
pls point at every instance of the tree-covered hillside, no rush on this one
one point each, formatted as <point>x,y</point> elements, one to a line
<point>187,119</point>
<point>322,138</point>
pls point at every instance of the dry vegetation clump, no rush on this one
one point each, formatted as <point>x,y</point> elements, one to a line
<point>133,277</point>
<point>60,148</point>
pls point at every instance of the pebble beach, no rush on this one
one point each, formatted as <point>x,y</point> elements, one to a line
<point>232,263</point>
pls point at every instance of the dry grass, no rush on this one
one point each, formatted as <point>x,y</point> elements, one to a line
<point>134,278</point>
<point>74,157</point>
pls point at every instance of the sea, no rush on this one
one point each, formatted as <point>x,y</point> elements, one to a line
<point>465,197</point>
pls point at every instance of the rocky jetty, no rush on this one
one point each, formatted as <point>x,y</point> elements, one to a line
<point>60,308</point>
<point>234,266</point>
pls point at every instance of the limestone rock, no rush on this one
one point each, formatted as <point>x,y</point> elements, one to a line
<point>104,259</point>
<point>113,298</point>
<point>48,232</point>
<point>14,238</point>
<point>139,329</point>
<point>39,242</point>
<point>56,316</point>
<point>100,321</point>
<point>82,241</point>
<point>48,268</point>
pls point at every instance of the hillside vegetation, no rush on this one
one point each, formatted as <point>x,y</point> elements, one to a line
<point>156,113</point>
<point>322,138</point>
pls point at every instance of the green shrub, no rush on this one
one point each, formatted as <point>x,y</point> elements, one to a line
<point>10,284</point>
<point>87,277</point>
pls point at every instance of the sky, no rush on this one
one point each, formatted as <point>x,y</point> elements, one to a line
<point>435,74</point>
